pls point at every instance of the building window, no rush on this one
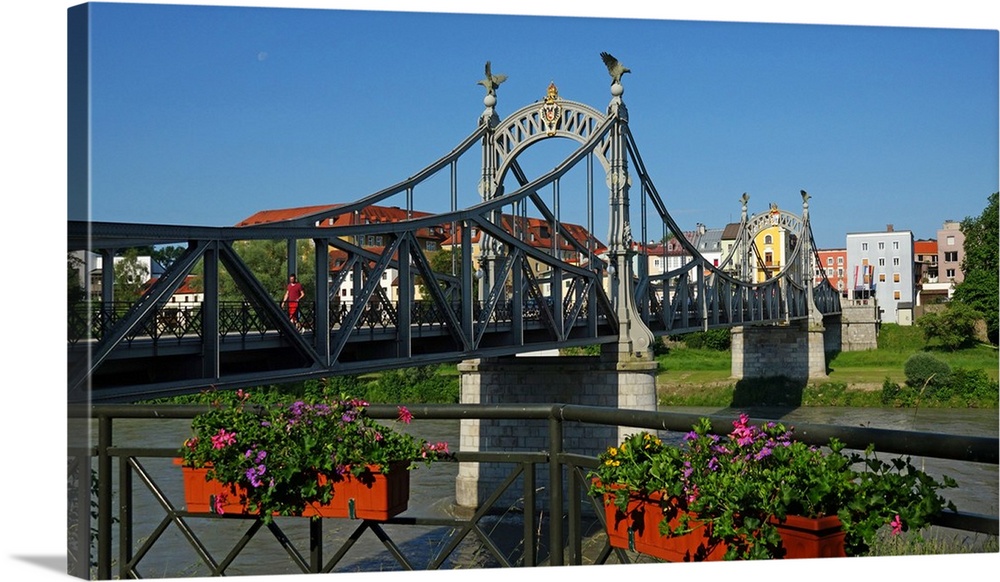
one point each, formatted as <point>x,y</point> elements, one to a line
<point>840,260</point>
<point>829,261</point>
<point>895,245</point>
<point>840,271</point>
<point>895,277</point>
<point>864,262</point>
<point>864,246</point>
<point>950,273</point>
<point>951,256</point>
<point>895,261</point>
<point>768,259</point>
<point>768,239</point>
<point>829,272</point>
<point>881,246</point>
<point>881,277</point>
<point>951,240</point>
<point>895,295</point>
<point>881,262</point>
<point>431,245</point>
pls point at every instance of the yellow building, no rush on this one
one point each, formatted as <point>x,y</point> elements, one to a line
<point>771,247</point>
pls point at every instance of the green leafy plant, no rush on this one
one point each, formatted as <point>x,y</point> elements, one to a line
<point>277,452</point>
<point>735,484</point>
<point>923,369</point>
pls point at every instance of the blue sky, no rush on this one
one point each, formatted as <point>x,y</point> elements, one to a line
<point>205,115</point>
<point>879,125</point>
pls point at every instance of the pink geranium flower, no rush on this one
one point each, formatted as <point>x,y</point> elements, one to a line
<point>219,503</point>
<point>897,525</point>
<point>223,439</point>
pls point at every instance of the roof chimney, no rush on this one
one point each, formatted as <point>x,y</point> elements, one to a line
<point>888,228</point>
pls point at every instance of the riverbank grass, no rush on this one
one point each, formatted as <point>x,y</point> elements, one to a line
<point>702,377</point>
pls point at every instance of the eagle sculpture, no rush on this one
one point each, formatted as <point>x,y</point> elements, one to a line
<point>615,68</point>
<point>491,82</point>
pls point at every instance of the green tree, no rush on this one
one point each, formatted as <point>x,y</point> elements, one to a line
<point>131,275</point>
<point>75,266</point>
<point>447,262</point>
<point>980,288</point>
<point>953,328</point>
<point>268,261</point>
<point>166,255</point>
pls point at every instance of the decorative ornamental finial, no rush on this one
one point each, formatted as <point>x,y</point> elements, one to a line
<point>491,82</point>
<point>615,68</point>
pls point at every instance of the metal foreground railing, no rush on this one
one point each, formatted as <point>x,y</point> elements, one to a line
<point>111,499</point>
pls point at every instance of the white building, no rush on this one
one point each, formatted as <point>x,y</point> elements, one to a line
<point>880,264</point>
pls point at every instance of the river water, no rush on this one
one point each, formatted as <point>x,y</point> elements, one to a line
<point>433,488</point>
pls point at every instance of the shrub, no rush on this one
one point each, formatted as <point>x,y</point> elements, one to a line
<point>953,329</point>
<point>891,392</point>
<point>972,385</point>
<point>923,369</point>
<point>713,339</point>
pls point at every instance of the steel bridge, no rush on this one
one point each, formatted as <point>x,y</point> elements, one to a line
<point>504,294</point>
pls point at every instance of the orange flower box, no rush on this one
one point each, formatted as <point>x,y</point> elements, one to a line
<point>373,495</point>
<point>805,537</point>
<point>638,529</point>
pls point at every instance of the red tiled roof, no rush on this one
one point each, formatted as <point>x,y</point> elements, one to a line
<point>184,289</point>
<point>266,216</point>
<point>369,214</point>
<point>537,230</point>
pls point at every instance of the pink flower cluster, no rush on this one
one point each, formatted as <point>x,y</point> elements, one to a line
<point>434,449</point>
<point>223,438</point>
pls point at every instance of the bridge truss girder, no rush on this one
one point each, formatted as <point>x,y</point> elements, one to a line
<point>580,300</point>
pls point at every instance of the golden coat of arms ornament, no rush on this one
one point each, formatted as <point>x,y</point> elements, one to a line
<point>551,110</point>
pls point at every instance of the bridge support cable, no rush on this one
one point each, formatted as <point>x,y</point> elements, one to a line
<point>429,171</point>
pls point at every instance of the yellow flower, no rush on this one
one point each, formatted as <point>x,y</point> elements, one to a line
<point>612,451</point>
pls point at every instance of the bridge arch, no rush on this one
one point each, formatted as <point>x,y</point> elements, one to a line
<point>552,117</point>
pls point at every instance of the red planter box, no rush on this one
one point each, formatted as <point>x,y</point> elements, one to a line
<point>373,495</point>
<point>805,537</point>
<point>638,529</point>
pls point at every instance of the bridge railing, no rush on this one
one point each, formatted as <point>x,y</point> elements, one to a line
<point>569,510</point>
<point>175,321</point>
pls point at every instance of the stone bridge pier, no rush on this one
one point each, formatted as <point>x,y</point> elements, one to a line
<point>799,350</point>
<point>583,380</point>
